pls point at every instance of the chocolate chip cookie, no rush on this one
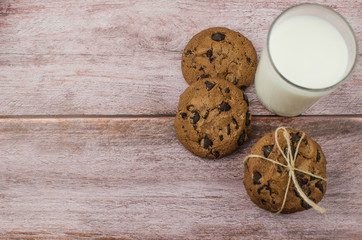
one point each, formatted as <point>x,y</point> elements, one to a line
<point>219,52</point>
<point>213,118</point>
<point>266,182</point>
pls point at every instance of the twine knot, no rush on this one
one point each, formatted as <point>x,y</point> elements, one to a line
<point>290,159</point>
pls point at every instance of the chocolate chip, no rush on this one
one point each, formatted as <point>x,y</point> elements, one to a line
<point>236,123</point>
<point>242,87</point>
<point>297,194</point>
<point>196,117</point>
<point>216,154</point>
<point>279,169</point>
<point>209,85</point>
<point>209,53</point>
<point>248,59</point>
<point>235,81</point>
<point>305,205</point>
<point>224,106</point>
<point>183,115</point>
<point>212,59</point>
<point>201,68</point>
<point>294,137</point>
<point>218,36</point>
<point>241,139</point>
<point>267,150</point>
<point>319,185</point>
<point>286,150</point>
<point>221,137</point>
<point>246,99</point>
<point>206,114</point>
<point>263,201</point>
<point>188,52</point>
<point>228,129</point>
<point>227,90</point>
<point>312,178</point>
<point>293,150</point>
<point>204,76</point>
<point>302,181</point>
<point>247,120</point>
<point>207,142</point>
<point>256,178</point>
<point>266,188</point>
<point>318,156</point>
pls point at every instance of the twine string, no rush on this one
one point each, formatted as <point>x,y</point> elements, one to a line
<point>290,159</point>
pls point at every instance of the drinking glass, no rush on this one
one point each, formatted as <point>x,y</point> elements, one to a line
<point>287,87</point>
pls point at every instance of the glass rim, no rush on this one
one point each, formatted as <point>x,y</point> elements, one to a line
<point>345,76</point>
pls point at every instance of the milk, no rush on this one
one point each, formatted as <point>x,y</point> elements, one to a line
<point>310,53</point>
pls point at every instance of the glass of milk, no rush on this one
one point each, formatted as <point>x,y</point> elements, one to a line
<point>310,51</point>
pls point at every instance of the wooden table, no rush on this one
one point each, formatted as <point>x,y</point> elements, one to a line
<point>88,94</point>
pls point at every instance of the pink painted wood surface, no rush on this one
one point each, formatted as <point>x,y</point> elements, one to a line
<point>131,178</point>
<point>123,57</point>
<point>124,178</point>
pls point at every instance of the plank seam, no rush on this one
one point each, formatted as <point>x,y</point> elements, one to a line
<point>152,116</point>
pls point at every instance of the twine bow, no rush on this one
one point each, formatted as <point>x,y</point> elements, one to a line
<point>290,159</point>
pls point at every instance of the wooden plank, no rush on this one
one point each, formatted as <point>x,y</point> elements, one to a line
<point>130,178</point>
<point>123,57</point>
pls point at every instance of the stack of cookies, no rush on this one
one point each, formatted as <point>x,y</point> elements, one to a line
<point>267,183</point>
<point>213,117</point>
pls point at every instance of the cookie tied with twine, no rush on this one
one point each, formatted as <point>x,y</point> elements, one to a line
<point>285,172</point>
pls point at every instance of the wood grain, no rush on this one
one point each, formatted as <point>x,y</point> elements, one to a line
<point>129,177</point>
<point>123,57</point>
<point>121,178</point>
